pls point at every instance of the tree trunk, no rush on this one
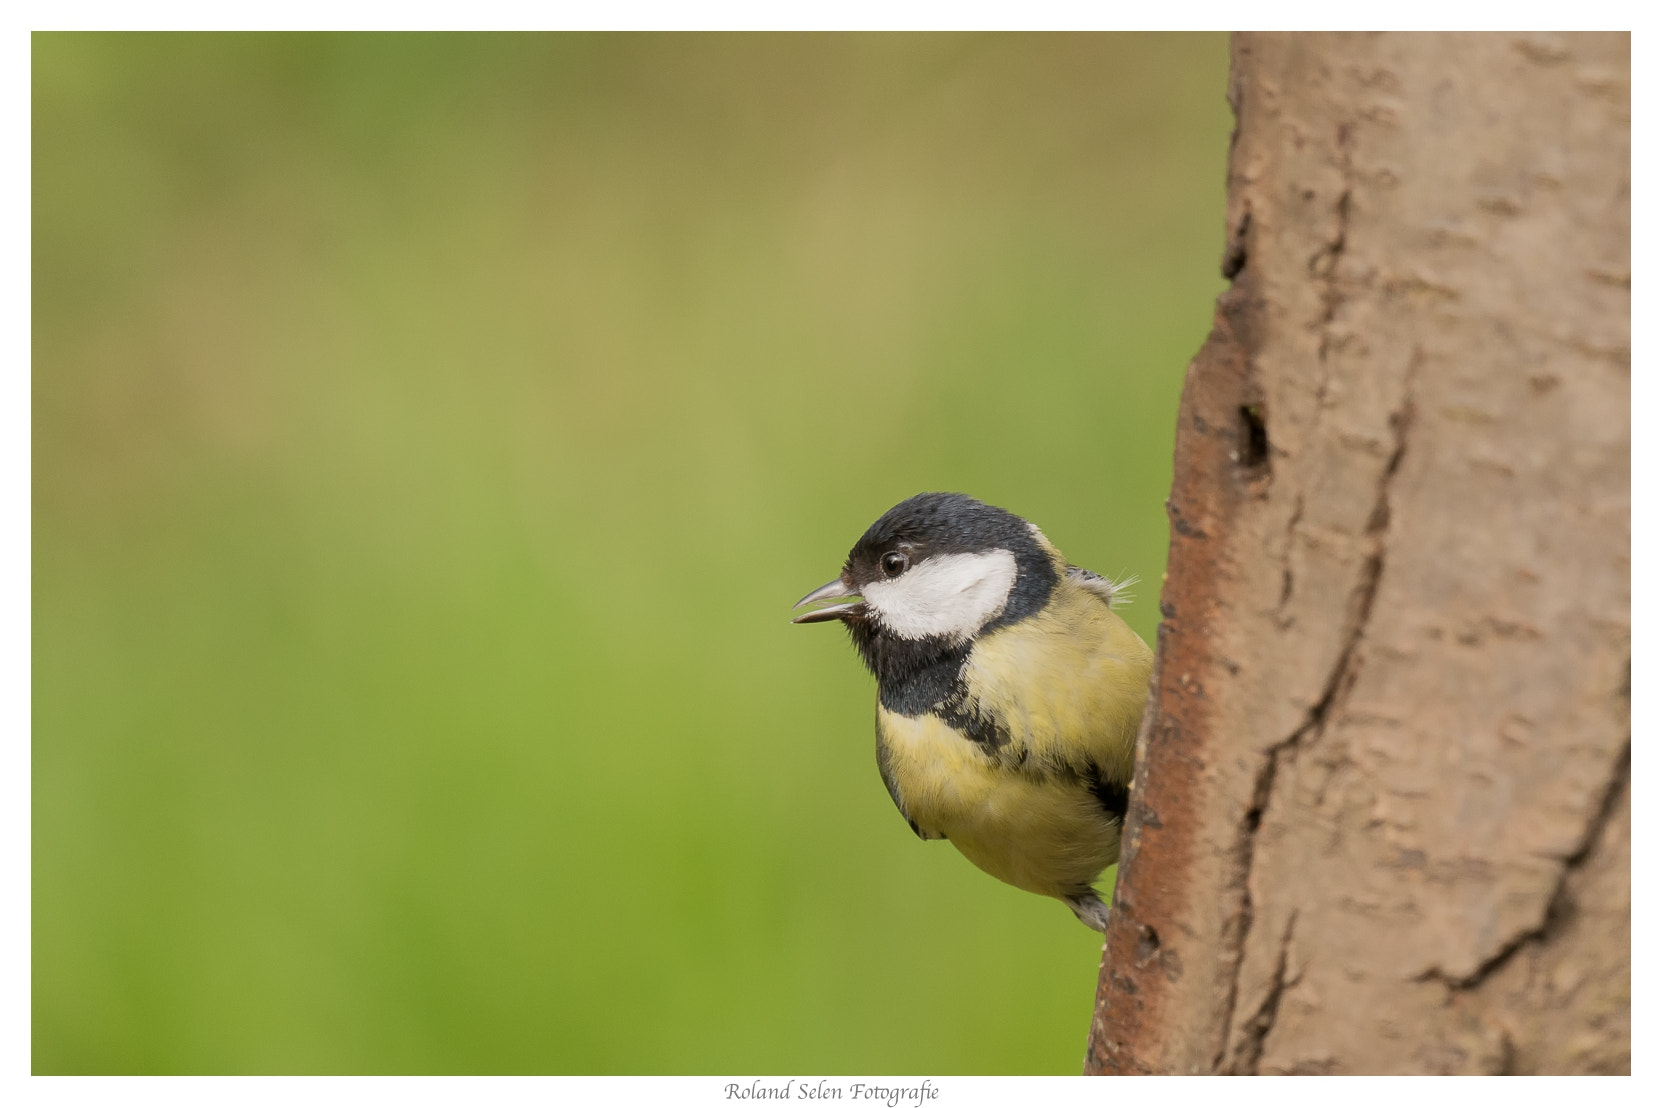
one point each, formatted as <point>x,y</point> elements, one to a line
<point>1381,814</point>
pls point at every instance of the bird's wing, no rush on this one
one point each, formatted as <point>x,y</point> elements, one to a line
<point>1069,684</point>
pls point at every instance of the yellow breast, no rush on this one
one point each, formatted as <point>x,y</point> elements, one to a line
<point>1068,685</point>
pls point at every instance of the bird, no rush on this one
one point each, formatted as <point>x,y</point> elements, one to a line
<point>1009,690</point>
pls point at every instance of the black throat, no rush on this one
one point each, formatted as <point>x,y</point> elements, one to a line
<point>913,675</point>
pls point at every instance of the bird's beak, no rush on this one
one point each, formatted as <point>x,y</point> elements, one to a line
<point>832,590</point>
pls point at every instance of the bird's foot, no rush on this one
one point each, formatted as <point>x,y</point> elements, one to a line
<point>1090,910</point>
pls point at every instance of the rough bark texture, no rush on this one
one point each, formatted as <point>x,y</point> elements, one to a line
<point>1381,815</point>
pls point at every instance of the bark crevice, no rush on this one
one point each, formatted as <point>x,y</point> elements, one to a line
<point>1558,906</point>
<point>1257,1028</point>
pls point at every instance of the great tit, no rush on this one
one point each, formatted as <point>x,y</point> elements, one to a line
<point>1009,691</point>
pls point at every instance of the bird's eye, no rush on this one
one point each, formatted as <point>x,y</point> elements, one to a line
<point>895,563</point>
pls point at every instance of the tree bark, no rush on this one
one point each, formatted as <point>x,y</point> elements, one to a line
<point>1380,822</point>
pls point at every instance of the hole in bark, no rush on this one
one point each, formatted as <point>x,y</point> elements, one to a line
<point>1255,440</point>
<point>1235,254</point>
<point>1148,942</point>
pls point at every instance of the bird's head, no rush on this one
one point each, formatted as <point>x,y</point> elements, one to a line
<point>937,570</point>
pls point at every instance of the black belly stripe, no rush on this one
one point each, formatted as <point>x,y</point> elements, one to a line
<point>956,711</point>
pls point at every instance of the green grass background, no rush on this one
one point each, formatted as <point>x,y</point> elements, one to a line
<point>431,434</point>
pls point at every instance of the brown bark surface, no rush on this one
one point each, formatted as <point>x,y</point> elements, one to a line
<point>1381,815</point>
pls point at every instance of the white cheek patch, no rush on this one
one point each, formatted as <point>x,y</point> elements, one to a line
<point>952,595</point>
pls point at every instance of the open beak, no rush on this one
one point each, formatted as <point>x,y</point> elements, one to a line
<point>832,590</point>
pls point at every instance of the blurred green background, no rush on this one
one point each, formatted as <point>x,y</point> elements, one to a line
<point>431,434</point>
